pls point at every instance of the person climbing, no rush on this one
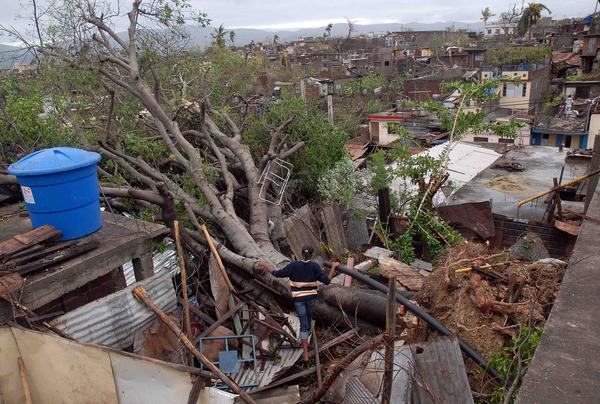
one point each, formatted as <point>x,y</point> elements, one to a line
<point>304,277</point>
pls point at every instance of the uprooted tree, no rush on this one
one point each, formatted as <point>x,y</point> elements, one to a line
<point>210,174</point>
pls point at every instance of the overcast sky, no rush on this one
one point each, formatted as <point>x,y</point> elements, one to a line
<point>291,14</point>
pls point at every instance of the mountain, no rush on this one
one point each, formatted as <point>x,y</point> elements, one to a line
<point>10,55</point>
<point>201,38</point>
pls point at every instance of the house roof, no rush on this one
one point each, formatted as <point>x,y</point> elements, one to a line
<point>569,58</point>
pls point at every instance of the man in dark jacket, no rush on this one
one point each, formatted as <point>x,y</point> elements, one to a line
<point>304,279</point>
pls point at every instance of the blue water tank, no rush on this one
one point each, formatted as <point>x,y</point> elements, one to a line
<point>60,188</point>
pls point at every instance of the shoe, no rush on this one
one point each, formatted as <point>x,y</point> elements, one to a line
<point>305,349</point>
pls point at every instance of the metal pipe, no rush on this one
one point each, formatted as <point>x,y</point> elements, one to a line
<point>432,321</point>
<point>556,188</point>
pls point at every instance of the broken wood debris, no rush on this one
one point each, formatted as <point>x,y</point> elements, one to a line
<point>143,297</point>
<point>24,241</point>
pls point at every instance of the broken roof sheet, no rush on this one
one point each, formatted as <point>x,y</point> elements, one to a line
<point>63,371</point>
<point>267,371</point>
<point>569,58</point>
<point>113,320</point>
<point>465,161</point>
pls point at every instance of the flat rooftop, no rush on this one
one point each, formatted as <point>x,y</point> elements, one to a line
<point>505,189</point>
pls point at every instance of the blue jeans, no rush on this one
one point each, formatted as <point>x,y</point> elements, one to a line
<point>304,308</point>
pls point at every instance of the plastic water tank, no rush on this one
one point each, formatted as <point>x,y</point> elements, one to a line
<point>60,188</point>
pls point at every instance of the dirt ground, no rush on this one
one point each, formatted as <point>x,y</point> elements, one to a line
<point>510,184</point>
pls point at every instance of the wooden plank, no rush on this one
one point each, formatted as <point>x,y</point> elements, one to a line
<point>378,252</point>
<point>20,242</point>
<point>57,257</point>
<point>441,368</point>
<point>404,274</point>
<point>25,257</point>
<point>390,335</point>
<point>49,285</point>
<point>331,217</point>
<point>347,278</point>
<point>300,230</point>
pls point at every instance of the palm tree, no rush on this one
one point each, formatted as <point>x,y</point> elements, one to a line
<point>327,32</point>
<point>232,36</point>
<point>219,36</point>
<point>531,15</point>
<point>486,14</point>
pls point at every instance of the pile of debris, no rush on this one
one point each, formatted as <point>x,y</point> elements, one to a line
<point>485,298</point>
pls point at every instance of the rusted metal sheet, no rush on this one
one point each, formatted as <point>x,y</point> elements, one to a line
<point>331,216</point>
<point>570,228</point>
<point>301,229</point>
<point>113,320</point>
<point>441,367</point>
<point>476,216</point>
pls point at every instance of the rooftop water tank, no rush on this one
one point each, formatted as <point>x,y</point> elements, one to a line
<point>60,188</point>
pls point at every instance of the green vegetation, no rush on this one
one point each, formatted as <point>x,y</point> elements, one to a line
<point>324,145</point>
<point>341,183</point>
<point>517,56</point>
<point>512,363</point>
<point>363,85</point>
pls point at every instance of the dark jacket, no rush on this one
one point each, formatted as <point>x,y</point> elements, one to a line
<point>304,278</point>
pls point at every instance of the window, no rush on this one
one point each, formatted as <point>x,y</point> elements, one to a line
<point>505,140</point>
<point>497,31</point>
<point>386,63</point>
<point>480,139</point>
<point>489,31</point>
<point>514,90</point>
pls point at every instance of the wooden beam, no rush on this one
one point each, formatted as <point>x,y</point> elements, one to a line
<point>317,357</point>
<point>221,320</point>
<point>390,335</point>
<point>184,291</point>
<point>24,382</point>
<point>286,380</point>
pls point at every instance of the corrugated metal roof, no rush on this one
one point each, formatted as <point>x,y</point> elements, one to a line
<point>465,161</point>
<point>166,260</point>
<point>357,393</point>
<point>113,320</point>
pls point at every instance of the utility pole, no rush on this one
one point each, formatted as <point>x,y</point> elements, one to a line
<point>330,109</point>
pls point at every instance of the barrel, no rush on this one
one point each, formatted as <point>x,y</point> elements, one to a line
<point>60,188</point>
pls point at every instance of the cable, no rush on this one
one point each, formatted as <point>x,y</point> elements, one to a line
<point>433,322</point>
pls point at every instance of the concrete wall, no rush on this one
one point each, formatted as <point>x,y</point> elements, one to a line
<point>521,139</point>
<point>593,130</point>
<point>566,365</point>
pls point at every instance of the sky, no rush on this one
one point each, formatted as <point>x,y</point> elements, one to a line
<point>293,14</point>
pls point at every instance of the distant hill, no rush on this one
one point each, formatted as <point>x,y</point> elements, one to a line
<point>10,55</point>
<point>201,38</point>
